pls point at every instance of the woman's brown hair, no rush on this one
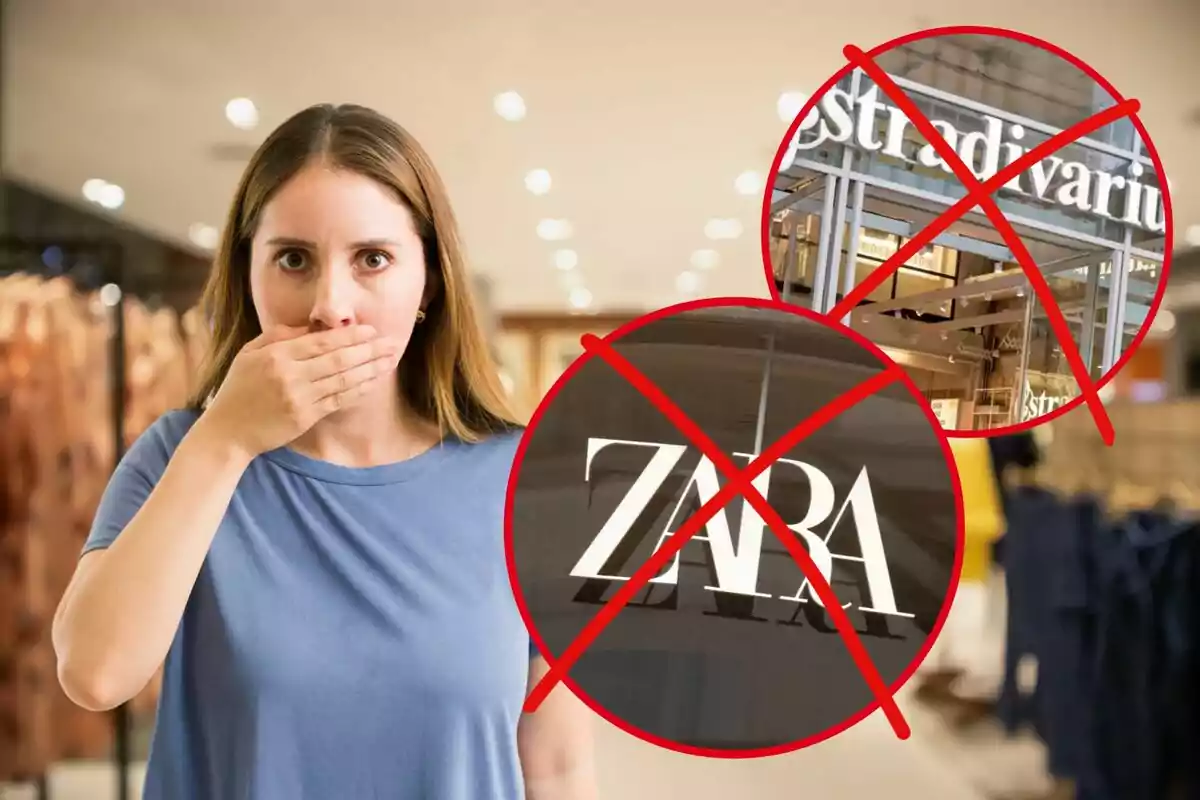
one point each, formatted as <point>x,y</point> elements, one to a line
<point>447,374</point>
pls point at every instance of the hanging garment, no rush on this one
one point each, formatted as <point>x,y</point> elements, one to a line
<point>1145,656</point>
<point>1109,610</point>
<point>57,445</point>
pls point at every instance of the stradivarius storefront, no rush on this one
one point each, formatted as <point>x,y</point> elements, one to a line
<point>857,180</point>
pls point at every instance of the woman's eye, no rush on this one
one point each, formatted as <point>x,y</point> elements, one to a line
<point>375,260</point>
<point>291,260</point>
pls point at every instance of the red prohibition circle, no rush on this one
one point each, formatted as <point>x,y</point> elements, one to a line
<point>1091,387</point>
<point>900,376</point>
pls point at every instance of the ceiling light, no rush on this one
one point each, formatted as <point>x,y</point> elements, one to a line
<point>554,230</point>
<point>110,294</point>
<point>113,197</point>
<point>723,229</point>
<point>92,189</point>
<point>1163,322</point>
<point>52,257</point>
<point>566,259</point>
<point>510,106</point>
<point>205,236</point>
<point>538,181</point>
<point>749,182</point>
<point>580,298</point>
<point>790,104</point>
<point>706,259</point>
<point>242,113</point>
<point>104,194</point>
<point>688,282</point>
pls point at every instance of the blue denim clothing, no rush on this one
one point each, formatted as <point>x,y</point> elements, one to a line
<point>1010,450</point>
<point>1110,609</point>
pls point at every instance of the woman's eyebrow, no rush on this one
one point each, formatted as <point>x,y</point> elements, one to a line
<point>288,241</point>
<point>369,243</point>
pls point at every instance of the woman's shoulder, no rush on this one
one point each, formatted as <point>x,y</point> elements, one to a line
<point>158,442</point>
<point>171,427</point>
<point>494,450</point>
<point>499,442</point>
<point>508,438</point>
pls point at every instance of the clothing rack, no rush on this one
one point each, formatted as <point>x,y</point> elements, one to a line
<point>1102,565</point>
<point>1152,461</point>
<point>91,265</point>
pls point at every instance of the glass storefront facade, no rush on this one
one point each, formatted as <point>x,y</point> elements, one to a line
<point>858,181</point>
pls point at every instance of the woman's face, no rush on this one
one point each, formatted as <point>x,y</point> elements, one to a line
<point>335,248</point>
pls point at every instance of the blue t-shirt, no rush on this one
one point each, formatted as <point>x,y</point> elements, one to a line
<point>352,633</point>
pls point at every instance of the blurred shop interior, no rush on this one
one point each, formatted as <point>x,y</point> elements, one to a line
<point>590,189</point>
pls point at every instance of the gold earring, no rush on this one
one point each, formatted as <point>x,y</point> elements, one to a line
<point>420,316</point>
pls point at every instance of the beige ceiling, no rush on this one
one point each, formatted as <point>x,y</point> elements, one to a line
<point>643,112</point>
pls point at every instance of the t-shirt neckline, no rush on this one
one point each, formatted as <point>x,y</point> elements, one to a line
<point>377,475</point>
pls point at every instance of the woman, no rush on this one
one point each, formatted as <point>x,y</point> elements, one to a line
<point>316,546</point>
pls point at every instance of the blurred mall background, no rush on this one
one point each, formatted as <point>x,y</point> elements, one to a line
<point>604,160</point>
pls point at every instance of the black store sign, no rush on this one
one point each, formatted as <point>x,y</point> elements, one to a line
<point>729,650</point>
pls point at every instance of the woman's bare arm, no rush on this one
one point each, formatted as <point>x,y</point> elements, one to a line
<point>555,744</point>
<point>120,613</point>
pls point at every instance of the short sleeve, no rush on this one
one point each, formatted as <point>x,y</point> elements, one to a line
<point>533,649</point>
<point>135,477</point>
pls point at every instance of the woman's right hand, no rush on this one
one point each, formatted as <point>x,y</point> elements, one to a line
<point>286,380</point>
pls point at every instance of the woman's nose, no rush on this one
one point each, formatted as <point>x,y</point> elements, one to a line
<point>333,304</point>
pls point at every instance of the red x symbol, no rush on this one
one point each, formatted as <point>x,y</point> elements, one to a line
<point>739,482</point>
<point>980,194</point>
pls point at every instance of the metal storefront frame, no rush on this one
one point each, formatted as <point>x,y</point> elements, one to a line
<point>783,201</point>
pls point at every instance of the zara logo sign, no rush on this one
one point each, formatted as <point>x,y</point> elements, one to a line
<point>735,568</point>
